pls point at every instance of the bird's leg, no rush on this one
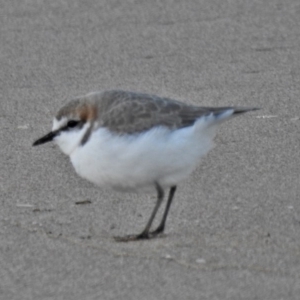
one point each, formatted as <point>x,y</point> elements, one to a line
<point>145,233</point>
<point>161,226</point>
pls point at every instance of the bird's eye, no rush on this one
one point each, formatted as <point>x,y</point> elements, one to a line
<point>72,123</point>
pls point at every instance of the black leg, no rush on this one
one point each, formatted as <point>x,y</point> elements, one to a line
<point>145,232</point>
<point>161,226</point>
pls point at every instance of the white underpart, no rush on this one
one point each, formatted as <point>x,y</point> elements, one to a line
<point>134,162</point>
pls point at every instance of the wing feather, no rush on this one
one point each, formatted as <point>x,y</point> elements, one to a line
<point>127,112</point>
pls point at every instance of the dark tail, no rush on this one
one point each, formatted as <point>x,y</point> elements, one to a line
<point>223,113</point>
<point>241,110</point>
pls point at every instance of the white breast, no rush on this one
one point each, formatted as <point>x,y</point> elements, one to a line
<point>135,162</point>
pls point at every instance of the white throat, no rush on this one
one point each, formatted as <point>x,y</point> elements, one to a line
<point>68,140</point>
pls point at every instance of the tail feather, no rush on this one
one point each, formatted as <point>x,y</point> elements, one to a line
<point>241,110</point>
<point>236,110</point>
<point>220,114</point>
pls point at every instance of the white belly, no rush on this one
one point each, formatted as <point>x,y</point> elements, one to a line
<point>136,162</point>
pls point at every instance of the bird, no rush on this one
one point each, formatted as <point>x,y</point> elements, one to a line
<point>130,141</point>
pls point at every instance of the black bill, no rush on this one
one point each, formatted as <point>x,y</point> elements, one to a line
<point>45,139</point>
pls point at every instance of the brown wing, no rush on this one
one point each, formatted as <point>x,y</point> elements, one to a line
<point>127,112</point>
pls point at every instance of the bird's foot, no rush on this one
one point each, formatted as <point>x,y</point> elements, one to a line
<point>138,237</point>
<point>158,231</point>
